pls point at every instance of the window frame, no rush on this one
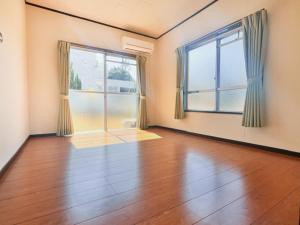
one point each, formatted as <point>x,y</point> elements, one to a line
<point>213,36</point>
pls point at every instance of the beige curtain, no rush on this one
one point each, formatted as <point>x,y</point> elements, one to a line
<point>141,82</point>
<point>64,126</point>
<point>179,108</point>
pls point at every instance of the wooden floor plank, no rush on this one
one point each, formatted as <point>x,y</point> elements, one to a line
<point>255,204</point>
<point>159,188</point>
<point>286,212</point>
<point>175,179</point>
<point>170,211</point>
<point>93,186</point>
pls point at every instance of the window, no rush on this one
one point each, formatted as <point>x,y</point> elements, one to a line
<point>216,74</point>
<point>102,89</point>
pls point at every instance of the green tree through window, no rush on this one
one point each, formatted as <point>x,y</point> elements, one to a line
<point>75,82</point>
<point>119,73</point>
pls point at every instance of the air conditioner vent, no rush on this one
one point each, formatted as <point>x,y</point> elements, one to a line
<point>136,45</point>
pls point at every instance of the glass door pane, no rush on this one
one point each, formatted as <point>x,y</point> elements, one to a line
<point>87,111</point>
<point>121,92</point>
<point>121,111</point>
<point>87,89</point>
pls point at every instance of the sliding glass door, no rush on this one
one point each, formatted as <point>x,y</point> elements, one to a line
<point>102,90</point>
<point>121,92</point>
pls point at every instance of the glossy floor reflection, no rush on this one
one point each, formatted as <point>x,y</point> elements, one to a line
<point>177,179</point>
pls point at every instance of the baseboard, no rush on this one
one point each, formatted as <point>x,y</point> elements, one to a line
<point>43,135</point>
<point>12,159</point>
<point>262,147</point>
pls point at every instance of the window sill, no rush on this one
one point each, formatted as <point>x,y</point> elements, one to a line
<point>217,112</point>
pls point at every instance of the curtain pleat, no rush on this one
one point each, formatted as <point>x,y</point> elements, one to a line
<point>64,125</point>
<point>255,33</point>
<point>179,108</point>
<point>141,83</point>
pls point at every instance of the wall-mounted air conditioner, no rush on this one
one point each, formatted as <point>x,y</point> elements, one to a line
<point>132,44</point>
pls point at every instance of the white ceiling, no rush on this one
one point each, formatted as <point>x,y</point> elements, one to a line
<point>150,17</point>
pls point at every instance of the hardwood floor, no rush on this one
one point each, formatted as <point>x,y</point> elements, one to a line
<point>175,179</point>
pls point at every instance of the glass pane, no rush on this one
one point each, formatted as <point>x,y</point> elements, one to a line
<point>232,100</point>
<point>130,61</point>
<point>202,101</point>
<point>87,110</point>
<point>232,65</point>
<point>229,38</point>
<point>86,70</point>
<point>121,111</point>
<point>121,78</point>
<point>114,58</point>
<point>241,34</point>
<point>202,67</point>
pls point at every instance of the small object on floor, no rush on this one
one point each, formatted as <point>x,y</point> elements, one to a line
<point>129,123</point>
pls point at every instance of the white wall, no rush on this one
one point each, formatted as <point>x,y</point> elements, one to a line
<point>282,77</point>
<point>44,29</point>
<point>13,85</point>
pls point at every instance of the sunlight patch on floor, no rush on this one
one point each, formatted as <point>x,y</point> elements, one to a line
<point>101,138</point>
<point>139,137</point>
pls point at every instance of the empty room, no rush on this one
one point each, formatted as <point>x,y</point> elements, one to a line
<point>150,112</point>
